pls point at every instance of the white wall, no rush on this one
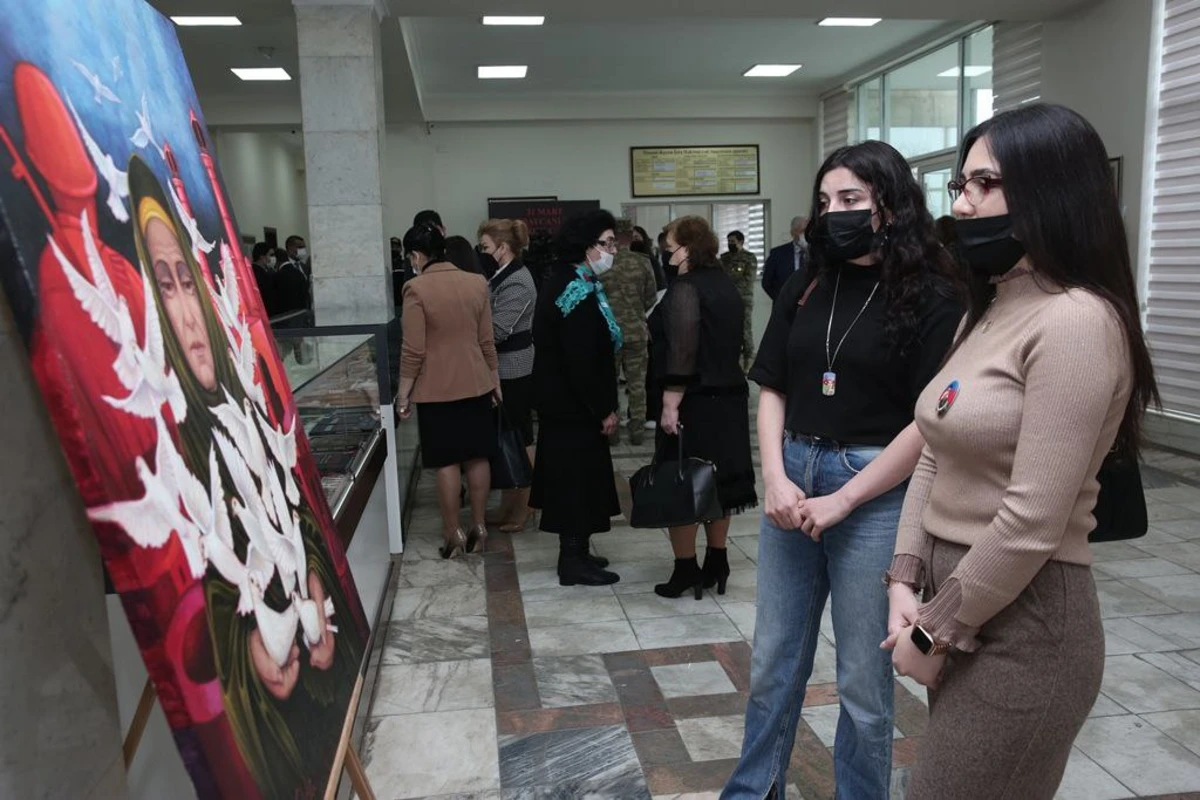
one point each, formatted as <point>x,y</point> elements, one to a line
<point>1097,61</point>
<point>456,167</point>
<point>264,175</point>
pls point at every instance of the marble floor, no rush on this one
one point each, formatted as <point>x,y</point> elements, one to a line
<point>498,684</point>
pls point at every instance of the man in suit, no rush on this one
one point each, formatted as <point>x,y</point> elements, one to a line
<point>785,259</point>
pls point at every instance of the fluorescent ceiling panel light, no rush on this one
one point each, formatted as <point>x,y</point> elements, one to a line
<point>972,72</point>
<point>770,70</point>
<point>502,72</point>
<point>849,22</point>
<point>206,22</point>
<point>514,20</point>
<point>261,73</point>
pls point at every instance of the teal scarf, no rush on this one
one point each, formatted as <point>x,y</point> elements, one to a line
<point>585,283</point>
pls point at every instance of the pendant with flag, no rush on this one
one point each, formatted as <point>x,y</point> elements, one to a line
<point>947,399</point>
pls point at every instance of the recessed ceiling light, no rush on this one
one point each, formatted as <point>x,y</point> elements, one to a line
<point>261,73</point>
<point>206,22</point>
<point>514,20</point>
<point>502,72</point>
<point>972,72</point>
<point>849,22</point>
<point>770,70</point>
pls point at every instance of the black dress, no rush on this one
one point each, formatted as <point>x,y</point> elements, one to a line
<point>700,352</point>
<point>575,389</point>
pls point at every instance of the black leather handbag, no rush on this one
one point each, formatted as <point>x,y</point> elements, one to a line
<point>671,494</point>
<point>510,461</point>
<point>1121,506</point>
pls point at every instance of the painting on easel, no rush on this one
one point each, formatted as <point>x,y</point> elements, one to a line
<point>122,262</point>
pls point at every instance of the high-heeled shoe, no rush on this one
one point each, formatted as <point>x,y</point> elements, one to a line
<point>456,546</point>
<point>687,575</point>
<point>716,568</point>
<point>477,539</point>
<point>518,527</point>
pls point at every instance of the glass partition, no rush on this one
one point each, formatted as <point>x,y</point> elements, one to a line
<point>922,103</point>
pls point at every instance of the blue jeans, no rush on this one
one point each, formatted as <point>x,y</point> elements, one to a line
<point>795,576</point>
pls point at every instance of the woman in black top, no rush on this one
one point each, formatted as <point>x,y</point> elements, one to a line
<point>706,398</point>
<point>852,341</point>
<point>576,339</point>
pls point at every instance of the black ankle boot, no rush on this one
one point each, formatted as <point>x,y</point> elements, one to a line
<point>686,576</point>
<point>716,568</point>
<point>599,561</point>
<point>575,567</point>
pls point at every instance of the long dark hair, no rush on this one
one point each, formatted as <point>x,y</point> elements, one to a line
<point>461,254</point>
<point>1063,203</point>
<point>914,262</point>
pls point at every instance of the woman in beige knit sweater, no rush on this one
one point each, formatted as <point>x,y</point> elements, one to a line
<point>1050,373</point>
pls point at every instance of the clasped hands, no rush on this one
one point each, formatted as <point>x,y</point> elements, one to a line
<point>790,510</point>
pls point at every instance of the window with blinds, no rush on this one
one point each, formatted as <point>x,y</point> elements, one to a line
<point>725,218</point>
<point>1173,293</point>
<point>835,121</point>
<point>1016,64</point>
<point>749,218</point>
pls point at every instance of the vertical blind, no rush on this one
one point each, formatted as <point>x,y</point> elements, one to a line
<point>835,127</point>
<point>1173,296</point>
<point>1016,64</point>
<point>749,218</point>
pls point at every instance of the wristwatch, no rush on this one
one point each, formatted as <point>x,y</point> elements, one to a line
<point>927,644</point>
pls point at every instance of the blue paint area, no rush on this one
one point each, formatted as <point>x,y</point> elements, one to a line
<point>134,51</point>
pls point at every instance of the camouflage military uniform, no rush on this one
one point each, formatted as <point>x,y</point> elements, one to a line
<point>742,267</point>
<point>631,293</point>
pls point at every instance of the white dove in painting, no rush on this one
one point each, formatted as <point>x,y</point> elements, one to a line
<point>277,628</point>
<point>201,247</point>
<point>118,181</point>
<point>150,520</point>
<point>142,371</point>
<point>101,91</point>
<point>143,137</point>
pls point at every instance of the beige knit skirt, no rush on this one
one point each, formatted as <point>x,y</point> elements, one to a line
<point>1002,723</point>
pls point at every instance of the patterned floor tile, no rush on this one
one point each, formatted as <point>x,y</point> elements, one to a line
<point>573,681</point>
<point>690,680</point>
<point>440,686</point>
<point>424,640</point>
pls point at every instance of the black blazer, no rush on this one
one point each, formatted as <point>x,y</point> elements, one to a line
<point>574,365</point>
<point>779,267</point>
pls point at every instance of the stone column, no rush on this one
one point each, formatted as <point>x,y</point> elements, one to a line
<point>341,94</point>
<point>59,730</point>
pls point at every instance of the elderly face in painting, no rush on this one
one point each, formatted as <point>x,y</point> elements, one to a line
<point>180,299</point>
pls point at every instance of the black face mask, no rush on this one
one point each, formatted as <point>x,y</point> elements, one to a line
<point>987,244</point>
<point>847,235</point>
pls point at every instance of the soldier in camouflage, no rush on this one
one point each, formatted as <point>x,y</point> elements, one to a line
<point>631,293</point>
<point>742,266</point>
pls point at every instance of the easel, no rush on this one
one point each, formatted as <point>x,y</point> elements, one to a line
<point>345,758</point>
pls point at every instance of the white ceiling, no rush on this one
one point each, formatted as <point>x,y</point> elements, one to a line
<point>705,55</point>
<point>600,55</point>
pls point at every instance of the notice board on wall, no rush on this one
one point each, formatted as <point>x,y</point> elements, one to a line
<point>685,171</point>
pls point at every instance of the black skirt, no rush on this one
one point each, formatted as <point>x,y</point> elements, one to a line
<point>518,405</point>
<point>573,482</point>
<point>716,428</point>
<point>456,432</point>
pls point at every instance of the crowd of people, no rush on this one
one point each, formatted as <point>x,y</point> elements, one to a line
<point>932,419</point>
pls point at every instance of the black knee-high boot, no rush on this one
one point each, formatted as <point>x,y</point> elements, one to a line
<point>599,561</point>
<point>574,566</point>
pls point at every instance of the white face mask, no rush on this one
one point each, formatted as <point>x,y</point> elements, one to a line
<point>604,264</point>
<point>271,262</point>
<point>302,253</point>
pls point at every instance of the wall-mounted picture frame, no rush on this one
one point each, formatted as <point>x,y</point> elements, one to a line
<point>1116,163</point>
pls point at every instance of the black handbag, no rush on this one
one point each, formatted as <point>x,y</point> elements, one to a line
<point>1121,505</point>
<point>672,494</point>
<point>510,461</point>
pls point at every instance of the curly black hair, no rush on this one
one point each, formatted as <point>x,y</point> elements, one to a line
<point>914,263</point>
<point>578,233</point>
